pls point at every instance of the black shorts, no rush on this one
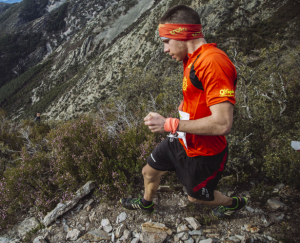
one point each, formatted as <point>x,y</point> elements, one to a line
<point>199,175</point>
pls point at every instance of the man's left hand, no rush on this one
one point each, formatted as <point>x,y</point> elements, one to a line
<point>155,122</point>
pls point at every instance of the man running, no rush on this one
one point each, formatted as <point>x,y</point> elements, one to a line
<point>200,154</point>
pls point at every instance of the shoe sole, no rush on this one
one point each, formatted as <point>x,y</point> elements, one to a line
<point>136,209</point>
<point>212,212</point>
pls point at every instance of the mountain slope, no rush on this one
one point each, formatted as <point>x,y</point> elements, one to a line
<point>100,41</point>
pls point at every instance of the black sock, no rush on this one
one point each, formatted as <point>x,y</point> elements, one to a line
<point>146,203</point>
<point>234,203</point>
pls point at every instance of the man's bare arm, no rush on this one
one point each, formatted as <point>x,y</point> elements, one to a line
<point>218,123</point>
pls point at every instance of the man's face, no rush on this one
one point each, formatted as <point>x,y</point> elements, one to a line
<point>38,114</point>
<point>177,49</point>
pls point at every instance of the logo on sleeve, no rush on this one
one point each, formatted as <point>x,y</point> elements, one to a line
<point>184,84</point>
<point>226,93</point>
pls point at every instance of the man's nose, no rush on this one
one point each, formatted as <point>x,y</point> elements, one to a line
<point>166,48</point>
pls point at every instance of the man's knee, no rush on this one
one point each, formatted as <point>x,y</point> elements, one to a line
<point>191,199</point>
<point>151,174</point>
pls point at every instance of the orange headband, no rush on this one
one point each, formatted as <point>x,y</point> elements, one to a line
<point>181,32</point>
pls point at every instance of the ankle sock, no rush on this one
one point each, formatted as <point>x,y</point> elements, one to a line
<point>146,203</point>
<point>234,203</point>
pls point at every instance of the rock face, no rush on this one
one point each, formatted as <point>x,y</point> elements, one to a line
<point>107,37</point>
<point>155,227</point>
<point>169,225</point>
<point>61,208</point>
<point>193,222</point>
<point>26,226</point>
<point>96,235</point>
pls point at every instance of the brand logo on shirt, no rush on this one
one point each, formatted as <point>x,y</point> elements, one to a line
<point>177,31</point>
<point>226,93</point>
<point>184,84</point>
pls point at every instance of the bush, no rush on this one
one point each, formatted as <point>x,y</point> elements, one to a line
<point>266,116</point>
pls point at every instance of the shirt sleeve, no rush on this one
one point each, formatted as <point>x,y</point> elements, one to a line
<point>219,79</point>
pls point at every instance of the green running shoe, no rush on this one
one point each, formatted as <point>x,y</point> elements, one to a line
<point>136,204</point>
<point>222,212</point>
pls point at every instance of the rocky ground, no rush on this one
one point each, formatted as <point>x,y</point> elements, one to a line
<point>175,220</point>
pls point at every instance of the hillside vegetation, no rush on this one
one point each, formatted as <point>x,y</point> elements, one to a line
<point>42,164</point>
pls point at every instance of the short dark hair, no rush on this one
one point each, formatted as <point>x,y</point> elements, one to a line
<point>180,14</point>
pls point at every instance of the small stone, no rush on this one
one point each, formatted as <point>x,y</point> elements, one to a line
<point>278,187</point>
<point>96,235</point>
<point>247,194</point>
<point>259,211</point>
<point>88,208</point>
<point>275,204</point>
<point>77,209</point>
<point>135,234</point>
<point>184,191</point>
<point>73,234</point>
<point>251,210</point>
<point>213,235</point>
<point>113,237</point>
<point>242,238</point>
<point>254,230</point>
<point>185,236</point>
<point>234,239</point>
<point>206,241</point>
<point>194,223</point>
<point>189,240</point>
<point>270,238</point>
<point>207,231</point>
<point>107,228</point>
<point>247,227</point>
<point>230,193</point>
<point>65,226</point>
<point>92,216</point>
<point>195,232</point>
<point>88,204</point>
<point>135,240</point>
<point>264,220</point>
<point>155,227</point>
<point>182,228</point>
<point>120,230</point>
<point>39,239</point>
<point>126,234</point>
<point>122,217</point>
<point>105,222</point>
<point>178,236</point>
<point>182,203</point>
<point>276,217</point>
<point>152,237</point>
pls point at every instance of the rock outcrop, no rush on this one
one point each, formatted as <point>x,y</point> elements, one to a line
<point>170,223</point>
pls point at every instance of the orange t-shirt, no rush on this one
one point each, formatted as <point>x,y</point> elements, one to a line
<point>209,79</point>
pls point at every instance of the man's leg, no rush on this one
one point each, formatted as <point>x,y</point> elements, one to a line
<point>158,163</point>
<point>151,181</point>
<point>226,205</point>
